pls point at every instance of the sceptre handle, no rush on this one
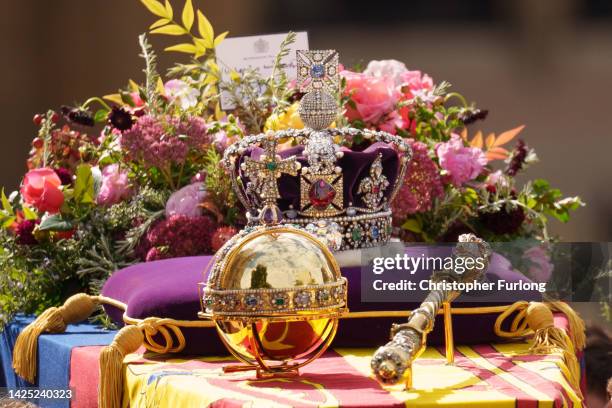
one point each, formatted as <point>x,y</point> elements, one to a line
<point>392,362</point>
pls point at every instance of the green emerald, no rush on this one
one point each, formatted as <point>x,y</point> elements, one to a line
<point>356,234</point>
<point>279,301</point>
<point>271,166</point>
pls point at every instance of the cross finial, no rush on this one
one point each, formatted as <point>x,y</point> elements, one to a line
<point>265,172</point>
<point>317,70</point>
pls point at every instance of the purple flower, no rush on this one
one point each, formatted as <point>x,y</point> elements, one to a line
<point>180,235</point>
<point>115,186</point>
<point>159,142</point>
<point>422,184</point>
<point>64,175</point>
<point>461,162</point>
<point>25,232</point>
<point>186,201</point>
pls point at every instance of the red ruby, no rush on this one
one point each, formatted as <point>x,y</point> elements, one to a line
<point>321,194</point>
<point>375,189</point>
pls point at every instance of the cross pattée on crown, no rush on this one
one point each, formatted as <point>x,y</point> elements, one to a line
<point>265,171</point>
<point>317,70</point>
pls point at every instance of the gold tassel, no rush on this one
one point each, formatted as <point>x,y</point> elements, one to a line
<point>53,320</point>
<point>127,341</point>
<point>550,339</point>
<point>576,324</point>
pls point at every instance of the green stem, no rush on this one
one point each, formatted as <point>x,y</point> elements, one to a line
<point>96,99</point>
<point>45,134</point>
<point>180,176</point>
<point>457,95</point>
<point>167,173</point>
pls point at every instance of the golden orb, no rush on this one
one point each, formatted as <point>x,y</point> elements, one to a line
<point>275,294</point>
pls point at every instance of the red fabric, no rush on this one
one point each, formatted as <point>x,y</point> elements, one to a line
<point>84,376</point>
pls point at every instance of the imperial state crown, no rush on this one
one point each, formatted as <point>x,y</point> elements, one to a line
<point>340,194</point>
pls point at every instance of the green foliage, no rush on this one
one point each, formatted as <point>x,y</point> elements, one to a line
<point>55,222</point>
<point>219,187</point>
<point>151,75</point>
<point>84,185</point>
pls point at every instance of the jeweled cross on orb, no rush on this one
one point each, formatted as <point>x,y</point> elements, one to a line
<point>317,70</point>
<point>265,171</point>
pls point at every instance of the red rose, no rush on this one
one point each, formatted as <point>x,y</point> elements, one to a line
<point>41,188</point>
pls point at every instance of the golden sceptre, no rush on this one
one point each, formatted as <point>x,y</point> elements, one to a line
<point>392,362</point>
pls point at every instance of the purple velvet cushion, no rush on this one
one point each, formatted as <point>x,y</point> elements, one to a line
<point>169,288</point>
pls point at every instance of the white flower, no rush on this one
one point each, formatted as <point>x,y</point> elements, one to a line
<point>179,91</point>
<point>386,68</point>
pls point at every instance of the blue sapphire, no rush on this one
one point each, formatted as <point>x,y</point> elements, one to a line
<point>251,300</point>
<point>317,71</point>
<point>375,232</point>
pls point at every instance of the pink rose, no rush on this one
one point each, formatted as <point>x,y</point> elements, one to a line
<point>541,268</point>
<point>373,96</point>
<point>414,81</point>
<point>392,122</point>
<point>186,201</point>
<point>115,186</point>
<point>461,162</point>
<point>41,188</point>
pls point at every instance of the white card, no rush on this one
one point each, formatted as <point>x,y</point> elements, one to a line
<point>257,52</point>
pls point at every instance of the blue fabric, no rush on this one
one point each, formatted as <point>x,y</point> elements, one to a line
<point>53,355</point>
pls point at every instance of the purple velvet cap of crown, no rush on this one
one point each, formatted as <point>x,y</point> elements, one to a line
<point>355,167</point>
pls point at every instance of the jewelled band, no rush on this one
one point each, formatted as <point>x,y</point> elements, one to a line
<point>317,299</point>
<point>344,232</point>
<point>258,302</point>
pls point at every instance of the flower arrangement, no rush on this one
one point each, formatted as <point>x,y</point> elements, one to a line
<point>134,176</point>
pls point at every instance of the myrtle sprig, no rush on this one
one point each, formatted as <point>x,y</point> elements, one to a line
<point>278,79</point>
<point>44,133</point>
<point>151,75</point>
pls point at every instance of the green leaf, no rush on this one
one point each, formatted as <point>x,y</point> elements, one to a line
<point>470,195</point>
<point>186,47</point>
<point>170,29</point>
<point>28,213</point>
<point>159,23</point>
<point>84,185</point>
<point>116,98</point>
<point>413,224</point>
<point>6,205</point>
<point>8,221</point>
<point>127,99</point>
<point>540,186</point>
<point>187,15</point>
<point>220,38</point>
<point>155,7</point>
<point>101,116</point>
<point>205,28</point>
<point>55,223</point>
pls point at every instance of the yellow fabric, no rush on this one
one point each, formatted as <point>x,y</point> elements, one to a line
<point>499,375</point>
